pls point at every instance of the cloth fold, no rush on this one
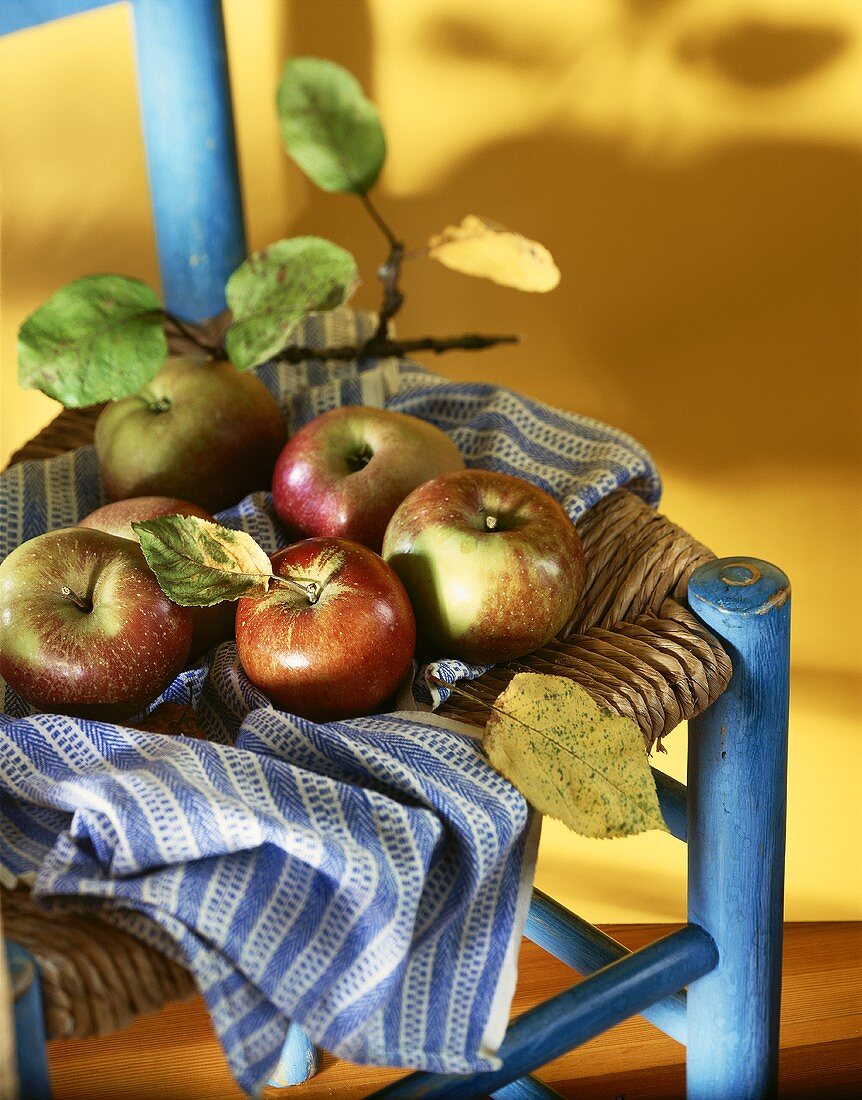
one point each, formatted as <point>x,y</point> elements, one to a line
<point>365,879</point>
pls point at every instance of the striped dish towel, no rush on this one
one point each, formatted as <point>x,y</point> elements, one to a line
<point>367,879</point>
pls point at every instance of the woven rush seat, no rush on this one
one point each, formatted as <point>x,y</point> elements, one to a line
<point>632,644</point>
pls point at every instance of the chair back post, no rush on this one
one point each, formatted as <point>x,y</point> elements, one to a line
<point>737,803</point>
<point>191,151</point>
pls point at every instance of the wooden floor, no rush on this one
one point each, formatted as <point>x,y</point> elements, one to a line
<point>175,1056</point>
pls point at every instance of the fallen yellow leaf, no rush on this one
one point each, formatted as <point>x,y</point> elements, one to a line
<point>572,758</point>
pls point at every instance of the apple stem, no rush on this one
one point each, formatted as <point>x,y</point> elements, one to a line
<point>490,523</point>
<point>311,589</point>
<point>78,601</point>
<point>362,457</point>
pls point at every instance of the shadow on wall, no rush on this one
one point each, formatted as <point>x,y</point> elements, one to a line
<point>706,219</point>
<point>743,48</point>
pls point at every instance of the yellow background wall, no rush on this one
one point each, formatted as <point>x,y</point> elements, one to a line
<point>695,169</point>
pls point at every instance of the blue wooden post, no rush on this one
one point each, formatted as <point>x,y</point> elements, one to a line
<point>737,793</point>
<point>34,1083</point>
<point>191,151</point>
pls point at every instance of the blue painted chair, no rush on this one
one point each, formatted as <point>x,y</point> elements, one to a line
<point>732,812</point>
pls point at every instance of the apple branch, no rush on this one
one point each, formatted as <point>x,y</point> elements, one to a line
<point>393,299</point>
<point>194,335</point>
<point>380,346</point>
<point>389,272</point>
<point>379,221</point>
<point>382,349</point>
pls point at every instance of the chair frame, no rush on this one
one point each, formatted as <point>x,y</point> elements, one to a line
<point>732,813</point>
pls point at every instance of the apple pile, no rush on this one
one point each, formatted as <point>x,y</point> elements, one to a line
<point>346,471</point>
<point>398,546</point>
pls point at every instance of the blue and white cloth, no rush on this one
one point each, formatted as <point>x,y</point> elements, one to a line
<point>367,879</point>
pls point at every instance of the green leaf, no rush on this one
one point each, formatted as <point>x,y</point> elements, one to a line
<point>276,287</point>
<point>571,758</point>
<point>328,126</point>
<point>99,338</point>
<point>198,563</point>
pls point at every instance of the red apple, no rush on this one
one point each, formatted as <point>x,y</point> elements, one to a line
<point>200,430</point>
<point>211,624</point>
<point>84,627</point>
<point>492,564</point>
<point>341,656</point>
<point>346,472</point>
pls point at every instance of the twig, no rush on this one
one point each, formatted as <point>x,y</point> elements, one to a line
<point>393,299</point>
<point>383,349</point>
<point>190,334</point>
<point>389,272</point>
<point>380,222</point>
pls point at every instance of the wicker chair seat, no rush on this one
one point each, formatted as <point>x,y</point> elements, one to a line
<point>632,644</point>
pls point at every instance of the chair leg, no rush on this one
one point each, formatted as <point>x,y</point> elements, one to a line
<point>33,1079</point>
<point>298,1060</point>
<point>737,795</point>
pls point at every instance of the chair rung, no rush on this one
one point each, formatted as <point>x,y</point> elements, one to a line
<point>526,1088</point>
<point>585,948</point>
<point>672,798</point>
<point>611,995</point>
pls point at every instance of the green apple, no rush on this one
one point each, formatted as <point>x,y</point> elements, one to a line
<point>200,430</point>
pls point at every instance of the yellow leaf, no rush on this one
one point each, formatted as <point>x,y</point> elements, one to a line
<point>571,758</point>
<point>478,247</point>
